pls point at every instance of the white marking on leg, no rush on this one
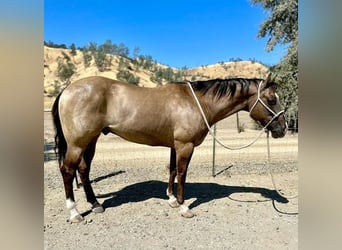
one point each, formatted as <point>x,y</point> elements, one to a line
<point>172,199</point>
<point>72,207</point>
<point>186,212</point>
<point>184,208</point>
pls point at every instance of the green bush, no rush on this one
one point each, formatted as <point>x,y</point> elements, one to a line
<point>73,49</point>
<point>56,89</point>
<point>65,70</point>
<point>87,57</point>
<point>127,76</point>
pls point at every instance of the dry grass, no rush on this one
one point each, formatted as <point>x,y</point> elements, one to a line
<point>246,69</point>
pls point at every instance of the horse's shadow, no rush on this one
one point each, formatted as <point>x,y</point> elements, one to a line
<point>203,192</point>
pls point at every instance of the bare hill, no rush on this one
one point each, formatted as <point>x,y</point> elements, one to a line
<point>52,83</point>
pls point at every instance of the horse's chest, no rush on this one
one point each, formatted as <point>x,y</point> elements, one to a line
<point>195,133</point>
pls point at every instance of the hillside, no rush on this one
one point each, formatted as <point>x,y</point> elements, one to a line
<point>52,83</point>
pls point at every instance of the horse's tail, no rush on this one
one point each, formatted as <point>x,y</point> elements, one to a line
<point>60,142</point>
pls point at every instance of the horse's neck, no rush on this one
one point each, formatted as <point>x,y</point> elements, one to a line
<point>217,110</point>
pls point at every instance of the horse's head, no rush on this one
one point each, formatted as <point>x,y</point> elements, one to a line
<point>264,107</point>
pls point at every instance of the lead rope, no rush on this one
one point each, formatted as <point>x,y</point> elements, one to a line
<point>270,171</point>
<point>252,142</point>
<point>213,134</point>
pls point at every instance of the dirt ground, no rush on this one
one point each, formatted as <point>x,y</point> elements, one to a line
<point>236,209</point>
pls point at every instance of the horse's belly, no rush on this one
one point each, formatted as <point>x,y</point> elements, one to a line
<point>143,137</point>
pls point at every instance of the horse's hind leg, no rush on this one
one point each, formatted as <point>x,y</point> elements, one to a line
<point>84,170</point>
<point>68,171</point>
<point>184,153</point>
<point>173,172</point>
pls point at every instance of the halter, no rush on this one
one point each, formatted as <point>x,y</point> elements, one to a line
<point>275,115</point>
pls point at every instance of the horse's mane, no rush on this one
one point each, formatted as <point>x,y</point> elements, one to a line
<point>223,87</point>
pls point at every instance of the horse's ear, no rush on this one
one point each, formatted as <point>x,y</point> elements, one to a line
<point>269,81</point>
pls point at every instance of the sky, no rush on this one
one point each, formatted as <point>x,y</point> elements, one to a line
<point>188,33</point>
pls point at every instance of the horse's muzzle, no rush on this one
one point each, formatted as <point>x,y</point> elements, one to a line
<point>278,131</point>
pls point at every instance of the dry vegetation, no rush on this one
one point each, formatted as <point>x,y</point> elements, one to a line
<point>247,69</point>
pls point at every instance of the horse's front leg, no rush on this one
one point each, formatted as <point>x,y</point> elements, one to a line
<point>183,157</point>
<point>169,191</point>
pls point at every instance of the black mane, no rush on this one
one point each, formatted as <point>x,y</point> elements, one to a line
<point>223,87</point>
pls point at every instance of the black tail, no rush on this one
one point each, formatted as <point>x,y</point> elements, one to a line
<point>60,143</point>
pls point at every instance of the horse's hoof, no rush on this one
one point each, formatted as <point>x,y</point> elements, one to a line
<point>97,208</point>
<point>187,214</point>
<point>76,219</point>
<point>173,203</point>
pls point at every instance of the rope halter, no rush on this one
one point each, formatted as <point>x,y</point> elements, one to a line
<point>275,115</point>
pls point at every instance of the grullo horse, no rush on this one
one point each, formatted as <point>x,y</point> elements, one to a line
<point>166,116</point>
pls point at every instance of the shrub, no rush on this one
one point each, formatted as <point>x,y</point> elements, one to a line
<point>87,57</point>
<point>56,89</point>
<point>65,70</point>
<point>127,76</point>
<point>73,51</point>
<point>102,60</point>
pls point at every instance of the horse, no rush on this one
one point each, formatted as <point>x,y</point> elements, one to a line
<point>167,115</point>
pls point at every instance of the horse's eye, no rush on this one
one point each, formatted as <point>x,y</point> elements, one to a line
<point>272,101</point>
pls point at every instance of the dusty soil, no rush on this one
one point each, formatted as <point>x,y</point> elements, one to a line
<point>236,209</point>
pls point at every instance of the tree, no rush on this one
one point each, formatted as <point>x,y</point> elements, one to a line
<point>282,28</point>
<point>55,45</point>
<point>122,50</point>
<point>102,55</point>
<point>73,49</point>
<point>282,23</point>
<point>103,60</point>
<point>108,47</point>
<point>136,52</point>
<point>127,76</point>
<point>87,57</point>
<point>65,70</point>
<point>92,47</point>
<point>146,61</point>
